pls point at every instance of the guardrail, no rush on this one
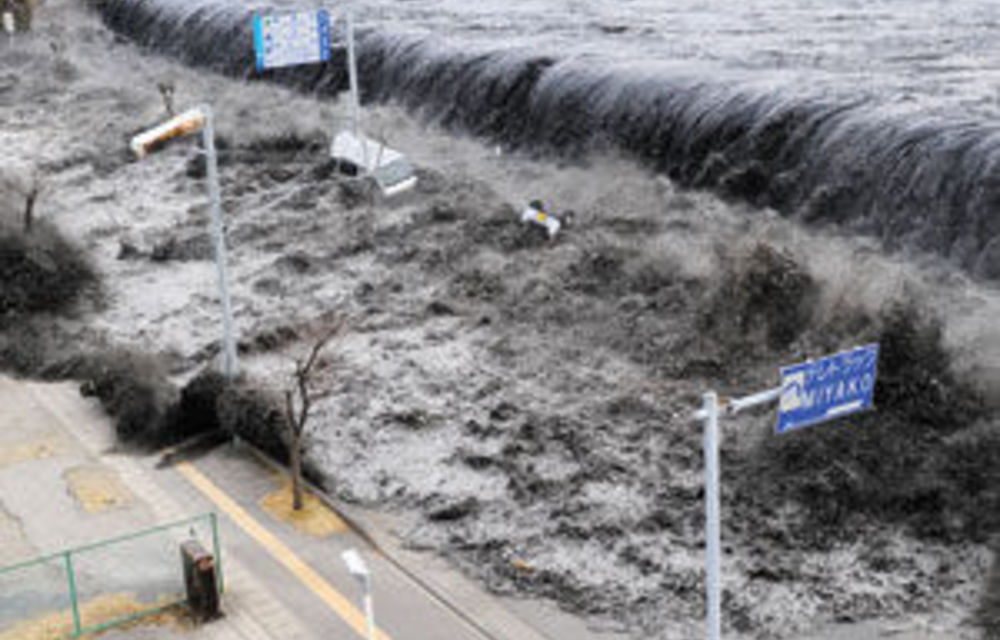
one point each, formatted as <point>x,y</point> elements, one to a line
<point>101,585</point>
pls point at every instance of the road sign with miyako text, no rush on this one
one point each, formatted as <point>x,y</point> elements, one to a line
<point>820,390</point>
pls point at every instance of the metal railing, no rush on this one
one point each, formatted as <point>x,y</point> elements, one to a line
<point>97,586</point>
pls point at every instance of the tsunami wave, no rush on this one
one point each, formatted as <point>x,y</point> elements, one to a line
<point>918,182</point>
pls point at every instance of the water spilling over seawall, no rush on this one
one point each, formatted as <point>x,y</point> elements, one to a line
<point>921,182</point>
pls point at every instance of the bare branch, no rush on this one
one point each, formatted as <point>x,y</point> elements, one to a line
<point>303,372</point>
<point>324,339</point>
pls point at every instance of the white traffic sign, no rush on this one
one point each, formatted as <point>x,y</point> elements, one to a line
<point>291,38</point>
<point>834,386</point>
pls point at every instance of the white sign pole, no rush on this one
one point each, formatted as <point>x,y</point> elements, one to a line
<point>352,75</point>
<point>211,162</point>
<point>709,414</point>
<point>710,407</point>
<point>352,71</point>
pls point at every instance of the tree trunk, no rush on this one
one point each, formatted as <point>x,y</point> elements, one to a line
<point>29,210</point>
<point>295,453</point>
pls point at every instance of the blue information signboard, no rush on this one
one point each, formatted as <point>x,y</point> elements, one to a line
<point>291,38</point>
<point>813,392</point>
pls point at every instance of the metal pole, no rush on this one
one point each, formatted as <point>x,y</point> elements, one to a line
<point>71,576</point>
<point>709,413</point>
<point>369,608</point>
<point>710,409</point>
<point>739,404</point>
<point>211,162</point>
<point>217,550</point>
<point>352,72</point>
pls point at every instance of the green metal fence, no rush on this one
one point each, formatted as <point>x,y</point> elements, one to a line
<point>102,585</point>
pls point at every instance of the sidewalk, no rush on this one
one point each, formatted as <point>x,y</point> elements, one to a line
<point>63,484</point>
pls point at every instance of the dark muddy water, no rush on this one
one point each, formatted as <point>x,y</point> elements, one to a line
<point>915,54</point>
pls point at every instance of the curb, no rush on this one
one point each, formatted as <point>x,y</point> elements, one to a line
<point>502,629</point>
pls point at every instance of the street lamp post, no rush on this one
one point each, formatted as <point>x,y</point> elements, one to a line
<point>200,118</point>
<point>358,569</point>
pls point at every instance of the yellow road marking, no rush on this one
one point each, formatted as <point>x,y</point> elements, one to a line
<point>280,552</point>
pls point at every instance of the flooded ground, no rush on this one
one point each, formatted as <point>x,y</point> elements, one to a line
<point>523,404</point>
<point>918,55</point>
<point>878,142</point>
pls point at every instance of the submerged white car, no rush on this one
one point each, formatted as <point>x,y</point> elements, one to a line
<point>389,168</point>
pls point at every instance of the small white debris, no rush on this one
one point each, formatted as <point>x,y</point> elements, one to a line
<point>535,213</point>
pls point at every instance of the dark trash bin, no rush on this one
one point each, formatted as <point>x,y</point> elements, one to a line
<point>200,581</point>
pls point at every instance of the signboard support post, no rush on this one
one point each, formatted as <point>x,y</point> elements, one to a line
<point>710,407</point>
<point>709,414</point>
<point>352,71</point>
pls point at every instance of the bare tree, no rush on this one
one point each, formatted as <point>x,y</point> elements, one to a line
<point>296,418</point>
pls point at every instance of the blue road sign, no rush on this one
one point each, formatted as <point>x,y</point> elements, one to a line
<point>290,38</point>
<point>814,392</point>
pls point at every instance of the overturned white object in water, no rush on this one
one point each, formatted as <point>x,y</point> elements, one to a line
<point>389,168</point>
<point>7,19</point>
<point>536,215</point>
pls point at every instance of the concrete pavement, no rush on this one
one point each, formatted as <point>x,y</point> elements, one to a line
<point>56,431</point>
<point>63,483</point>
